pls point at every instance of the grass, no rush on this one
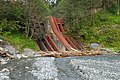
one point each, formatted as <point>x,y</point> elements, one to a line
<point>19,41</point>
<point>105,30</point>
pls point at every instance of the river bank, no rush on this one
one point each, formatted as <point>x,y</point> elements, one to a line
<point>76,65</point>
<point>8,52</point>
<point>100,67</point>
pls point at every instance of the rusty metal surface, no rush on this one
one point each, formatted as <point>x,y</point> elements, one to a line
<point>70,42</point>
<point>49,47</point>
<point>58,33</point>
<point>57,26</point>
<point>52,43</point>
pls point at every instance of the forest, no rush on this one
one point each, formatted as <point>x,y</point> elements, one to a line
<point>90,21</point>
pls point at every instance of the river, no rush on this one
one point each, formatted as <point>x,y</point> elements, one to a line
<point>101,67</point>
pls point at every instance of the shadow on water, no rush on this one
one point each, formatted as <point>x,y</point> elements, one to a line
<point>102,67</point>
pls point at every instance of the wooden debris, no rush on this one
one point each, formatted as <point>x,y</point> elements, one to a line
<point>70,53</point>
<point>5,54</point>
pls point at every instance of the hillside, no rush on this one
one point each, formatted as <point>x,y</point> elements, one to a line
<point>105,30</point>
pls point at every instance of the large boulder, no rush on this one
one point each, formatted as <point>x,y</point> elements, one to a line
<point>10,49</point>
<point>95,46</point>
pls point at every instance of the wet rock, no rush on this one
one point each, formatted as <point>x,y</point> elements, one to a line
<point>95,46</point>
<point>28,53</point>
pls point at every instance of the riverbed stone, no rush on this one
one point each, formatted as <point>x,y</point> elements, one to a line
<point>2,61</point>
<point>105,50</point>
<point>28,52</point>
<point>118,52</point>
<point>10,49</point>
<point>3,42</point>
<point>4,74</point>
<point>102,67</point>
<point>18,56</point>
<point>95,46</point>
<point>1,49</point>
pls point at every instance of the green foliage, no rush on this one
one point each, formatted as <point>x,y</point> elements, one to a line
<point>19,41</point>
<point>105,30</point>
<point>16,16</point>
<point>91,20</point>
<point>8,26</point>
<point>37,8</point>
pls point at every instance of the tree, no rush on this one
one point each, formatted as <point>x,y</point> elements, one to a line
<point>25,14</point>
<point>36,11</point>
<point>11,14</point>
<point>118,7</point>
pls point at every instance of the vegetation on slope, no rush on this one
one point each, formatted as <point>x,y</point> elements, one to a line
<point>92,21</point>
<point>17,20</point>
<point>87,20</point>
<point>105,30</point>
<point>19,41</point>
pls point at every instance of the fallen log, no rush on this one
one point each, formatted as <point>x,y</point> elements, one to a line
<point>70,53</point>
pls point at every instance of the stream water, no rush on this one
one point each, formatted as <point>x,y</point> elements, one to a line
<point>102,67</point>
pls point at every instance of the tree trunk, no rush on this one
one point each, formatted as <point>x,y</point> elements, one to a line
<point>118,7</point>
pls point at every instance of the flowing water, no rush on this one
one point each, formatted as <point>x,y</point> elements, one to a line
<point>102,67</point>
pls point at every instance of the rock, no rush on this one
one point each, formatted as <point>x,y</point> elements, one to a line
<point>5,54</point>
<point>29,53</point>
<point>3,42</point>
<point>26,67</point>
<point>118,52</point>
<point>17,52</point>
<point>18,56</point>
<point>95,46</point>
<point>105,50</point>
<point>24,56</point>
<point>4,74</point>
<point>1,49</point>
<point>10,49</point>
<point>5,70</point>
<point>2,61</point>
